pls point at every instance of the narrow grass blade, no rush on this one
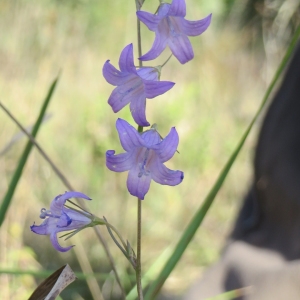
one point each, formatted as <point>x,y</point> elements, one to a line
<point>200,214</point>
<point>17,174</point>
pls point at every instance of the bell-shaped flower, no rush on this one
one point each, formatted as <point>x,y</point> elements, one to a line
<point>61,218</point>
<point>133,85</point>
<point>172,29</point>
<point>144,158</point>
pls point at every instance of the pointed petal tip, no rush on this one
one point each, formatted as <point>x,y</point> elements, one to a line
<point>114,108</point>
<point>144,59</point>
<point>208,19</point>
<point>143,124</point>
<point>138,195</point>
<point>128,47</point>
<point>64,249</point>
<point>74,194</point>
<point>110,153</point>
<point>121,121</point>
<point>182,176</point>
<point>126,62</point>
<point>56,245</point>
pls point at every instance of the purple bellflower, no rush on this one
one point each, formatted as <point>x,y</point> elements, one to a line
<point>172,29</point>
<point>144,158</point>
<point>133,85</point>
<point>61,218</point>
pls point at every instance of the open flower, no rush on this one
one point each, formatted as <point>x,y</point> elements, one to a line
<point>172,29</point>
<point>133,85</point>
<point>61,218</point>
<point>144,158</point>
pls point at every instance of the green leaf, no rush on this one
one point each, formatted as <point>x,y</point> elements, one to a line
<point>201,212</point>
<point>18,172</point>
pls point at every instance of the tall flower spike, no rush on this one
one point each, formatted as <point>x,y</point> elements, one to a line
<point>61,218</point>
<point>172,29</point>
<point>133,85</point>
<point>144,158</point>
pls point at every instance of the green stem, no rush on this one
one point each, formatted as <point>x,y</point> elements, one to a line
<point>166,61</point>
<point>138,257</point>
<point>138,270</point>
<point>117,233</point>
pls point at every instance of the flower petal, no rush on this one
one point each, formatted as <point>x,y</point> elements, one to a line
<point>78,220</point>
<point>64,221</point>
<point>166,149</point>
<point>181,48</point>
<point>162,175</point>
<point>158,46</point>
<point>151,137</point>
<point>126,63</point>
<point>138,110</point>
<point>150,20</point>
<point>56,245</point>
<point>68,195</point>
<point>177,8</point>
<point>148,73</point>
<point>44,228</point>
<point>120,162</point>
<point>122,95</point>
<point>129,137</point>
<point>155,88</point>
<point>59,201</point>
<point>138,186</point>
<point>163,10</point>
<point>194,28</point>
<point>112,75</point>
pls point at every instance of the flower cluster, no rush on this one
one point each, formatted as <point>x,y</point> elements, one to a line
<point>147,151</point>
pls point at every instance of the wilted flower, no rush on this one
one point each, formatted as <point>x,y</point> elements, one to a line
<point>172,29</point>
<point>144,158</point>
<point>133,85</point>
<point>61,218</point>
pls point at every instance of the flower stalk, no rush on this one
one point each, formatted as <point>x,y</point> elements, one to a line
<point>138,270</point>
<point>125,247</point>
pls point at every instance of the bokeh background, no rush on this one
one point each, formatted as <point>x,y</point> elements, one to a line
<point>213,101</point>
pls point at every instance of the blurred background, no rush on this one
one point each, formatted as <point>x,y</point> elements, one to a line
<point>213,101</point>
